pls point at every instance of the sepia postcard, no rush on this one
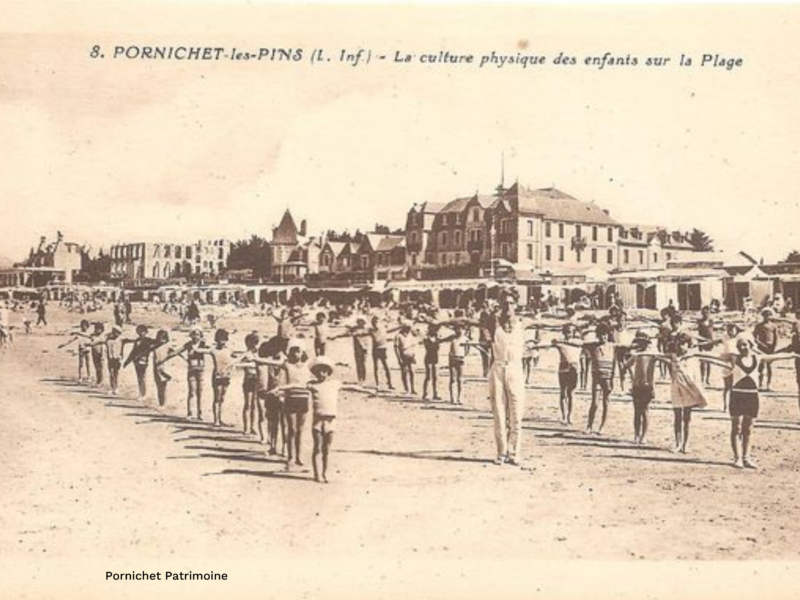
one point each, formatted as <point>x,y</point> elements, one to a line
<point>394,301</point>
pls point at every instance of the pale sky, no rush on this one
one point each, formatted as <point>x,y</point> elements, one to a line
<point>111,151</point>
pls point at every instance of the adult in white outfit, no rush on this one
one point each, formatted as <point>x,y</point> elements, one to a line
<point>507,383</point>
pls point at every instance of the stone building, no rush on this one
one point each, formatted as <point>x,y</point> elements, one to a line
<point>541,231</point>
<point>159,261</point>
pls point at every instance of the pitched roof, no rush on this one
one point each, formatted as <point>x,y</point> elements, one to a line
<point>336,247</point>
<point>781,269</point>
<point>553,204</point>
<point>455,206</point>
<point>485,201</point>
<point>430,208</point>
<point>286,231</point>
<point>390,242</point>
<point>668,239</point>
<point>313,241</point>
<point>460,204</point>
<point>373,239</point>
<point>497,202</point>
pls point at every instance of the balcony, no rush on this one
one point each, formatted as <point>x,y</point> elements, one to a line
<point>578,244</point>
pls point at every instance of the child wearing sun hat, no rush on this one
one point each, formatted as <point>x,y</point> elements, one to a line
<point>325,396</point>
<point>642,367</point>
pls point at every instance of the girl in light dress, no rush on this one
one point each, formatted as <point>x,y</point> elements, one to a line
<point>686,392</point>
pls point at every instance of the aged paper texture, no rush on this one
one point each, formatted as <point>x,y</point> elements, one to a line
<point>382,301</point>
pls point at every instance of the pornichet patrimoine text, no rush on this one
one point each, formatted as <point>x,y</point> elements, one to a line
<point>168,575</point>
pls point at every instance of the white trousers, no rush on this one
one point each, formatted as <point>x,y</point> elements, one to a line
<point>507,393</point>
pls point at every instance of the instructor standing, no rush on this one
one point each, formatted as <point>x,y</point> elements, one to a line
<point>507,382</point>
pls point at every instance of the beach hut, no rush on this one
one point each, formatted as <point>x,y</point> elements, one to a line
<point>19,293</point>
<point>752,286</point>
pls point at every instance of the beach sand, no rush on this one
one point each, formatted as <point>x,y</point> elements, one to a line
<point>89,474</point>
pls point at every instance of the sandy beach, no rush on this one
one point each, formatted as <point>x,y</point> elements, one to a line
<point>98,475</point>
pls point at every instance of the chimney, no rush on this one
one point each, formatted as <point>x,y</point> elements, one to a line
<point>303,228</point>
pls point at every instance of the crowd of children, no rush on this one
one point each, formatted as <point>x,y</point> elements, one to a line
<point>288,381</point>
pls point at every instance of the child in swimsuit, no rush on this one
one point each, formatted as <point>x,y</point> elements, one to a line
<point>222,357</point>
<point>325,396</point>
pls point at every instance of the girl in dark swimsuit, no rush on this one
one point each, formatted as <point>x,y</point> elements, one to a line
<point>744,402</point>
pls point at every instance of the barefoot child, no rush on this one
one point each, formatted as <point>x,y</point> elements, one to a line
<point>195,350</point>
<point>456,357</point>
<point>223,360</point>
<point>765,334</point>
<point>431,343</point>
<point>705,329</point>
<point>97,346</point>
<point>685,392</point>
<point>194,353</point>
<point>293,387</point>
<point>744,402</point>
<point>160,352</point>
<point>250,385</point>
<point>268,367</point>
<point>139,356</point>
<point>325,395</point>
<point>84,353</point>
<point>321,334</point>
<point>622,338</point>
<point>82,336</point>
<point>530,355</point>
<point>729,350</point>
<point>357,333</point>
<point>379,335</point>
<point>114,352</point>
<point>404,344</point>
<point>642,368</point>
<point>601,362</point>
<point>570,350</point>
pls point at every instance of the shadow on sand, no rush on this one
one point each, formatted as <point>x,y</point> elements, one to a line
<point>252,458</point>
<point>221,438</point>
<point>664,459</point>
<point>292,475</point>
<point>422,455</point>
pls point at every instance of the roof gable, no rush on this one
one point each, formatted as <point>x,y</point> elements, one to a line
<point>429,208</point>
<point>334,248</point>
<point>456,206</point>
<point>555,205</point>
<point>286,231</point>
<point>390,242</point>
<point>370,243</point>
